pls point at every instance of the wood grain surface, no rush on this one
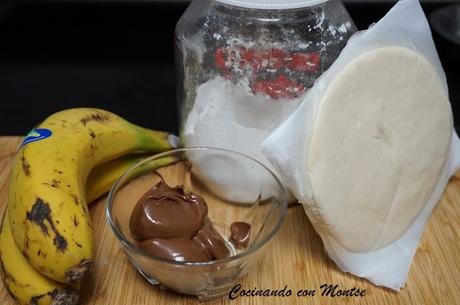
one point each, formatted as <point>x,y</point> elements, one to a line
<point>295,258</point>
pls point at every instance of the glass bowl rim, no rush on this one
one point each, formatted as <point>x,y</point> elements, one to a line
<point>252,249</point>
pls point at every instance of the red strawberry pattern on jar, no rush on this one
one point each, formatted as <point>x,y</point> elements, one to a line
<point>273,72</point>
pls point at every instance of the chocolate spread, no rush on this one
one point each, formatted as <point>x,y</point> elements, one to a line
<point>171,223</point>
<point>240,233</point>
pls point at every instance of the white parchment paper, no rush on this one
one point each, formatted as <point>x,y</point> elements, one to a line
<point>405,25</point>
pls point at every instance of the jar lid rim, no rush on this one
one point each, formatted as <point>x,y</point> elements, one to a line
<point>272,4</point>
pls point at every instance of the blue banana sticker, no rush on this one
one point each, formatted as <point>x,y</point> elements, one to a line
<point>36,135</point>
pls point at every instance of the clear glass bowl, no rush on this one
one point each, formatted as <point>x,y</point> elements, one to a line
<point>197,170</point>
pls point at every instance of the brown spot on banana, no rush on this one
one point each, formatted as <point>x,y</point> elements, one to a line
<point>75,220</point>
<point>40,213</point>
<point>41,253</point>
<point>84,208</point>
<point>26,242</point>
<point>54,183</point>
<point>97,117</point>
<point>60,242</point>
<point>79,271</point>
<point>34,300</point>
<point>75,199</point>
<point>92,134</point>
<point>25,166</point>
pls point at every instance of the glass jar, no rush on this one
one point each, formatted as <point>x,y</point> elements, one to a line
<point>244,65</point>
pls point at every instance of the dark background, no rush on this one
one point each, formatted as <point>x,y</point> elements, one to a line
<point>117,56</point>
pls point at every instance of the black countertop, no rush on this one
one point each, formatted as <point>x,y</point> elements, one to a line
<point>117,56</point>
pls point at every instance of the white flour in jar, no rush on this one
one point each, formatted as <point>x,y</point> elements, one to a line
<point>228,116</point>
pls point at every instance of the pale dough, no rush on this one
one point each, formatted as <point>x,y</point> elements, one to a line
<point>380,140</point>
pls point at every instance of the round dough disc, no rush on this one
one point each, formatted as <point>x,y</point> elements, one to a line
<point>379,144</point>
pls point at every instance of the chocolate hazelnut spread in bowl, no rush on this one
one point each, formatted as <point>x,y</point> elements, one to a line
<point>178,229</point>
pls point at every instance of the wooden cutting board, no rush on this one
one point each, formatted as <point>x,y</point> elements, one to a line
<point>295,259</point>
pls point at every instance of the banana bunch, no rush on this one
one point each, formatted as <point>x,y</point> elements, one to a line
<point>46,240</point>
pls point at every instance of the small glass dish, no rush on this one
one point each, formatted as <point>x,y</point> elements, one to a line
<point>217,175</point>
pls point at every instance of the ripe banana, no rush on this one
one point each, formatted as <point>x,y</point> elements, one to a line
<point>104,176</point>
<point>30,287</point>
<point>48,214</point>
<point>23,282</point>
